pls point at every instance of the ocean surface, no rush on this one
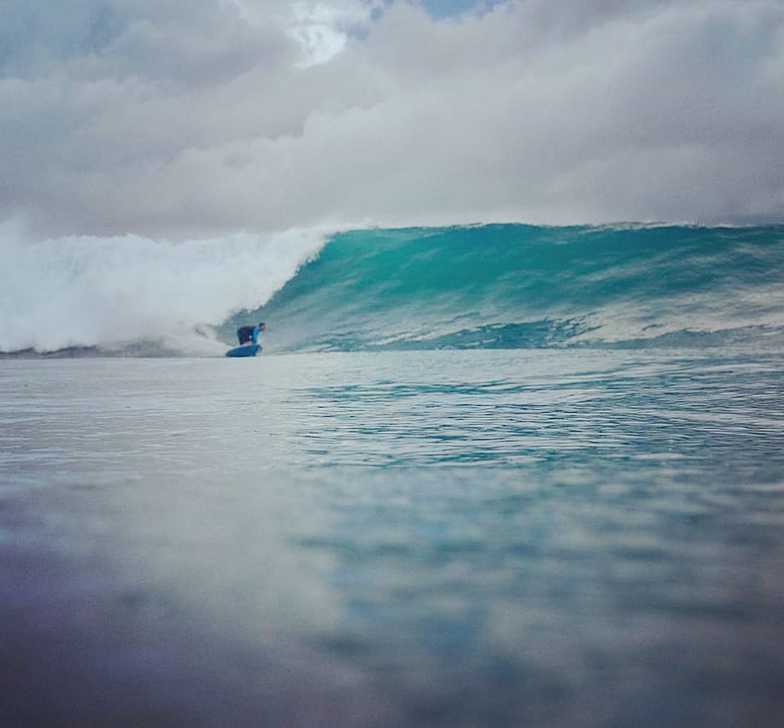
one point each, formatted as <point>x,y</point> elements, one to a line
<point>484,476</point>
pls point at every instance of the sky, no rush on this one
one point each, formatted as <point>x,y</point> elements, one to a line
<point>173,119</point>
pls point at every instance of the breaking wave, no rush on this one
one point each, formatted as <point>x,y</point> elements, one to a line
<point>485,286</point>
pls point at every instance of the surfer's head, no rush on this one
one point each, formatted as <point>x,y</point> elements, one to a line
<point>262,326</point>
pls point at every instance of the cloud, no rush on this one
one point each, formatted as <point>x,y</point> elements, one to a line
<point>155,118</point>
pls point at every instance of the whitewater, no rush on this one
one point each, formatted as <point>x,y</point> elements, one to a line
<point>131,294</point>
<point>488,475</point>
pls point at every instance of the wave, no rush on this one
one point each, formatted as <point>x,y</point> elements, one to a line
<point>137,296</point>
<point>520,286</point>
<point>468,287</point>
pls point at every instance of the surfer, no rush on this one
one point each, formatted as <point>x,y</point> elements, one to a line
<point>250,334</point>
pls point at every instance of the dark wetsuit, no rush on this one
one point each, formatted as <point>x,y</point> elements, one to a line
<point>248,334</point>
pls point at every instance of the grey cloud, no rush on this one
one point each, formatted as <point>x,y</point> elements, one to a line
<point>205,41</point>
<point>174,122</point>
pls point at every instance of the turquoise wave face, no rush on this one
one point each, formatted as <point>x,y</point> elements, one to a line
<point>519,286</point>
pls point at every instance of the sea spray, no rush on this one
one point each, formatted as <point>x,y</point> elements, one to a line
<point>124,292</point>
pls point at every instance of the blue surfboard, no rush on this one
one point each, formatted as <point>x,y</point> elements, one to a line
<point>244,350</point>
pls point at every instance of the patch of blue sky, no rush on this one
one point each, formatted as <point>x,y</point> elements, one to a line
<point>450,8</point>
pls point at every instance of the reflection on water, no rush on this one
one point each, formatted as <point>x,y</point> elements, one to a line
<point>431,538</point>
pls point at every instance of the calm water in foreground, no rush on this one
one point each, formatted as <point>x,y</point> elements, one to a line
<point>554,538</point>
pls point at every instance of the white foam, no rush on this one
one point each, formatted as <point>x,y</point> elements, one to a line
<point>93,291</point>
